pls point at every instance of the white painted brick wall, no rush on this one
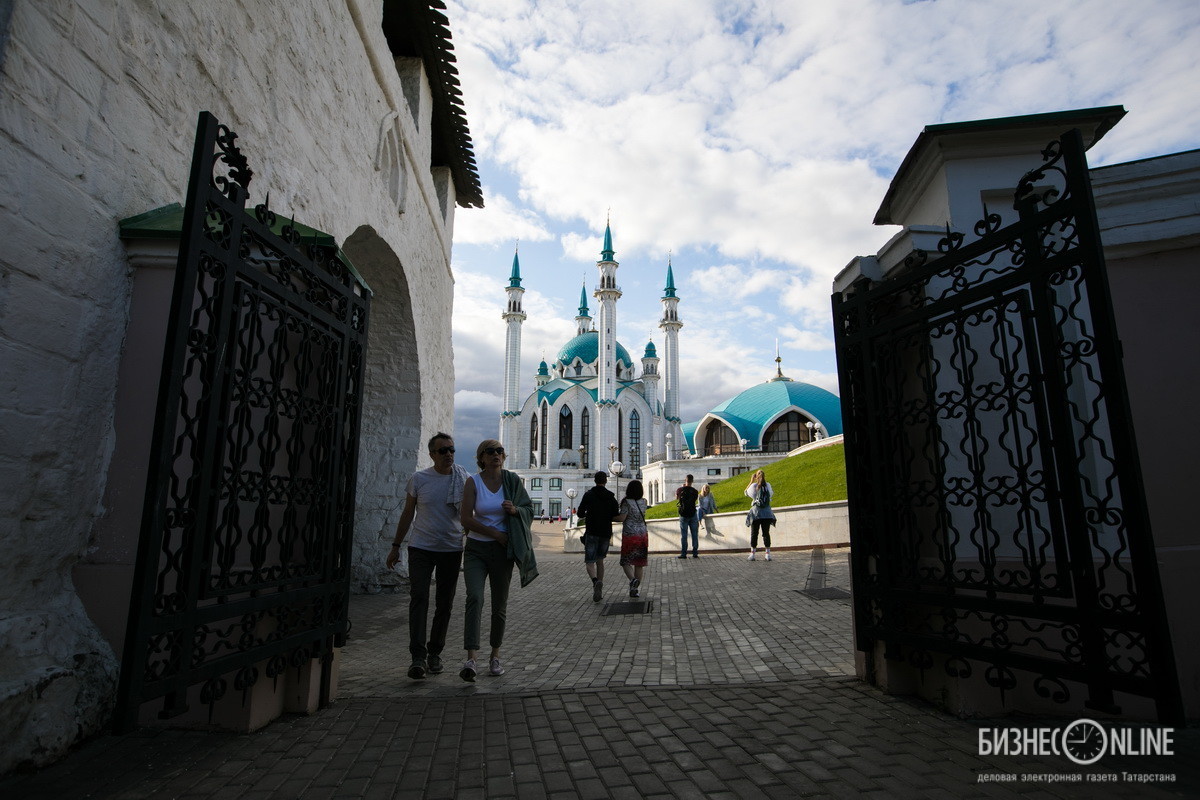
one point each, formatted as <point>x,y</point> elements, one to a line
<point>98,105</point>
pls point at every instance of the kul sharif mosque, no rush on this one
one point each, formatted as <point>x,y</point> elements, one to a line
<point>591,408</point>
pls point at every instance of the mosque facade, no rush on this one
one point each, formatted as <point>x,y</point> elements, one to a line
<point>592,407</point>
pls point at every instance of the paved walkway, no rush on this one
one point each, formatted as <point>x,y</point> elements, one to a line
<point>735,684</point>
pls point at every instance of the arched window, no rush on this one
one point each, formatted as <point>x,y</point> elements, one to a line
<point>786,433</point>
<point>635,441</point>
<point>620,431</point>
<point>565,425</point>
<point>545,423</point>
<point>583,436</point>
<point>721,439</point>
<point>533,440</point>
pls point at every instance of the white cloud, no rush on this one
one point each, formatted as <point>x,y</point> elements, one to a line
<point>499,221</point>
<point>792,338</point>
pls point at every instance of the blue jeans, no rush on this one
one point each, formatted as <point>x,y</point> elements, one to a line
<point>689,523</point>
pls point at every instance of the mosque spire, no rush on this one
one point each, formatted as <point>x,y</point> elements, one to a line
<point>779,376</point>
<point>583,306</point>
<point>515,278</point>
<point>607,253</point>
<point>669,289</point>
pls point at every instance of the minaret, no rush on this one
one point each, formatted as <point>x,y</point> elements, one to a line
<point>583,322</point>
<point>670,324</point>
<point>650,381</point>
<point>514,315</point>
<point>606,391</point>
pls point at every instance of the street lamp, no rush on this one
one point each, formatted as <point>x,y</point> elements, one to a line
<point>669,447</point>
<point>571,492</point>
<point>582,463</point>
<point>616,468</point>
<point>810,430</point>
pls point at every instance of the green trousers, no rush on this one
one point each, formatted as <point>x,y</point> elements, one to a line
<point>490,561</point>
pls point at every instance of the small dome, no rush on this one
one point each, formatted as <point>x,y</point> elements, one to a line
<point>751,412</point>
<point>543,369</point>
<point>651,352</point>
<point>586,347</point>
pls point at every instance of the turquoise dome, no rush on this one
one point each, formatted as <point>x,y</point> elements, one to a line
<point>586,347</point>
<point>751,411</point>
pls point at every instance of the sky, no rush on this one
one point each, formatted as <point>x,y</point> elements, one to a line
<point>750,143</point>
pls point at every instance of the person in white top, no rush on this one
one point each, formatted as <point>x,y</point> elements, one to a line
<point>435,544</point>
<point>486,514</point>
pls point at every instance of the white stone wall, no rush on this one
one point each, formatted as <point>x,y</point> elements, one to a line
<point>98,106</point>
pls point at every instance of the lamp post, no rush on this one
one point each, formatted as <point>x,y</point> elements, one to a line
<point>571,492</point>
<point>582,463</point>
<point>615,469</point>
<point>669,437</point>
<point>809,424</point>
<point>614,466</point>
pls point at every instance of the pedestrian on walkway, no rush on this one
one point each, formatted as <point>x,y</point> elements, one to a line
<point>707,506</point>
<point>635,538</point>
<point>686,498</point>
<point>432,502</point>
<point>597,509</point>
<point>497,514</point>
<point>761,515</point>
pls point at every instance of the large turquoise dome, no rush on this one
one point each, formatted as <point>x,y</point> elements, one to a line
<point>586,347</point>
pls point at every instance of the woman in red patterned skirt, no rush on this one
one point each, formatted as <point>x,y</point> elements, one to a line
<point>635,541</point>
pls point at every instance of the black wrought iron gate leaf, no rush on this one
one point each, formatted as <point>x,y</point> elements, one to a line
<point>996,506</point>
<point>243,560</point>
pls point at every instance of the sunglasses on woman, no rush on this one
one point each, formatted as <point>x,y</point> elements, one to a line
<point>493,451</point>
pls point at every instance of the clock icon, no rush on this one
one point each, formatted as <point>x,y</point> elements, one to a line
<point>1084,741</point>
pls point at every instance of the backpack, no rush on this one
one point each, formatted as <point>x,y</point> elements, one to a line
<point>687,501</point>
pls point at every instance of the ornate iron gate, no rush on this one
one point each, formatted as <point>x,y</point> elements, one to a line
<point>997,512</point>
<point>247,526</point>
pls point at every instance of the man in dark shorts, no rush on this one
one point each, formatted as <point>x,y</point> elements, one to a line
<point>597,509</point>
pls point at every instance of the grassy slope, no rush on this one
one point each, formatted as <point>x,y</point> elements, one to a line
<point>817,476</point>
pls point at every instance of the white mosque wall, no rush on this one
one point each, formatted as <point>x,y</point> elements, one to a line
<point>98,108</point>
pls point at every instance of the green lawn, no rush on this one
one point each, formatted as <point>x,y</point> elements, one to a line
<point>818,476</point>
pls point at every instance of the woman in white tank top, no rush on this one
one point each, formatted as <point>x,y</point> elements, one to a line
<point>485,515</point>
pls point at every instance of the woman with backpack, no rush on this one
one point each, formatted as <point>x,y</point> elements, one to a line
<point>761,515</point>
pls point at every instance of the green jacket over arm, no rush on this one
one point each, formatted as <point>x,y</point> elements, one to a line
<point>520,537</point>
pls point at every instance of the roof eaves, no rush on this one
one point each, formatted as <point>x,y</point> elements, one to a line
<point>418,27</point>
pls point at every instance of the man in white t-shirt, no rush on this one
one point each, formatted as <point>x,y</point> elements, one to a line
<point>431,516</point>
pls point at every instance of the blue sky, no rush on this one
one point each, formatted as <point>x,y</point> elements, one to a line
<point>753,141</point>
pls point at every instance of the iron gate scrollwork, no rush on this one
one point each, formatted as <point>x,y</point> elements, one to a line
<point>997,513</point>
<point>243,562</point>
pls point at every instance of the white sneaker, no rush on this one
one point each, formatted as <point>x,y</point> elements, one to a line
<point>768,555</point>
<point>494,668</point>
<point>751,558</point>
